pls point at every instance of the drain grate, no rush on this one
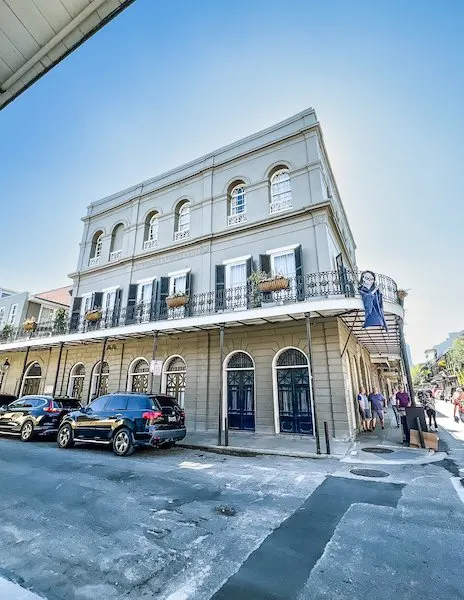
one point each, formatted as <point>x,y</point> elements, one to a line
<point>378,450</point>
<point>369,473</point>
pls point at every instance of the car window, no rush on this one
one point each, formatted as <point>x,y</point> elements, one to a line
<point>17,404</point>
<point>67,403</point>
<point>166,402</point>
<point>116,403</point>
<point>37,402</point>
<point>98,404</point>
<point>139,403</point>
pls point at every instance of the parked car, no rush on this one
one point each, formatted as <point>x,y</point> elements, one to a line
<point>125,420</point>
<point>32,416</point>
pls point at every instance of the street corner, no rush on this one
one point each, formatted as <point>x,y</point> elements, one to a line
<point>392,455</point>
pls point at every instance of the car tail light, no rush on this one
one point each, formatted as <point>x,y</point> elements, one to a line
<point>52,409</point>
<point>182,414</point>
<point>151,415</point>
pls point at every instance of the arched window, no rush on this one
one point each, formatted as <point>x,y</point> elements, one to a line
<point>281,193</point>
<point>138,376</point>
<point>174,370</point>
<point>240,391</point>
<point>150,239</point>
<point>292,392</point>
<point>32,378</point>
<point>237,204</point>
<point>96,248</point>
<point>76,381</point>
<point>116,242</point>
<point>100,384</point>
<point>182,224</point>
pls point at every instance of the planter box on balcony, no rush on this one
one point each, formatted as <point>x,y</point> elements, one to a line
<point>29,325</point>
<point>274,285</point>
<point>93,315</point>
<point>176,301</point>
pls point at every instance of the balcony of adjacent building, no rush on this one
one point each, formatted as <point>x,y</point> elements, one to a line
<point>325,294</point>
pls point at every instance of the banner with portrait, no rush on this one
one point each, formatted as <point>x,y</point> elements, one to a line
<point>372,300</point>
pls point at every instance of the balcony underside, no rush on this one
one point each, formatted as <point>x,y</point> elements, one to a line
<point>349,310</point>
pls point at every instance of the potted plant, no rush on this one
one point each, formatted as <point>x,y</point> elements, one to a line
<point>7,332</point>
<point>177,299</point>
<point>94,314</point>
<point>60,321</point>
<point>30,324</point>
<point>271,283</point>
<point>402,294</point>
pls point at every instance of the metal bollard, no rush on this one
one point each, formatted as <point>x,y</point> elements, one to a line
<point>327,439</point>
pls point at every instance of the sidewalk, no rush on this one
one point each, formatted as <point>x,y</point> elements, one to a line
<point>248,443</point>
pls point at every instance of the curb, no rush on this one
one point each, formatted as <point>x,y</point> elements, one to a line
<point>238,451</point>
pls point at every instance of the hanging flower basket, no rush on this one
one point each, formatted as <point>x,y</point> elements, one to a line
<point>93,315</point>
<point>176,301</point>
<point>402,294</point>
<point>274,285</point>
<point>30,325</point>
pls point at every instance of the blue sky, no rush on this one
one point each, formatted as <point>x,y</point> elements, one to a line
<point>168,81</point>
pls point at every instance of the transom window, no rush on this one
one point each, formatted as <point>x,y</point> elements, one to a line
<point>281,193</point>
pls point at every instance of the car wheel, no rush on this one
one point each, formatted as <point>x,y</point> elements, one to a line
<point>122,442</point>
<point>27,431</point>
<point>65,437</point>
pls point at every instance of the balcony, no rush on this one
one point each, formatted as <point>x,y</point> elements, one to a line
<point>225,304</point>
<point>279,206</point>
<point>181,235</point>
<point>150,245</point>
<point>236,219</point>
<point>115,255</point>
<point>94,261</point>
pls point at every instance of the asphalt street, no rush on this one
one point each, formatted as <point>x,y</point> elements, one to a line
<point>185,525</point>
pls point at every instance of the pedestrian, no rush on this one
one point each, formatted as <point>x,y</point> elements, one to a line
<point>377,404</point>
<point>459,405</point>
<point>394,405</point>
<point>364,409</point>
<point>429,405</point>
<point>403,401</point>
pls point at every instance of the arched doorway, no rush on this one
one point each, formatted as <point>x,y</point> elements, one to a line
<point>138,376</point>
<point>100,385</point>
<point>32,378</point>
<point>76,381</point>
<point>292,392</point>
<point>240,382</point>
<point>174,371</point>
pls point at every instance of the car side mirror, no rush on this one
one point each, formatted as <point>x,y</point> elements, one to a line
<point>4,407</point>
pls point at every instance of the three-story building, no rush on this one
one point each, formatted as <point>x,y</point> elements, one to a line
<point>231,283</point>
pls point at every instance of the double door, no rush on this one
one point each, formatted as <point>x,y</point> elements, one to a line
<point>294,400</point>
<point>240,399</point>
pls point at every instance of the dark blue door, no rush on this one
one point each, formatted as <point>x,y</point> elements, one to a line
<point>294,401</point>
<point>240,399</point>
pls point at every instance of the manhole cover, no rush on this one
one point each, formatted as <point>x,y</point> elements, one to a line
<point>369,473</point>
<point>378,450</point>
<point>228,511</point>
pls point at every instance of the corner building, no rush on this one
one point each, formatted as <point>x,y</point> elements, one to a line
<point>171,267</point>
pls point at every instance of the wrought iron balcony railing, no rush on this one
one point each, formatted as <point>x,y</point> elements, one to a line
<point>312,286</point>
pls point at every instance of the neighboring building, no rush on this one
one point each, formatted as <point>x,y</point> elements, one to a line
<point>170,269</point>
<point>16,307</point>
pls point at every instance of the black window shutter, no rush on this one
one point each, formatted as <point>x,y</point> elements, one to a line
<point>97,298</point>
<point>188,291</point>
<point>117,307</point>
<point>249,269</point>
<point>75,313</point>
<point>220,287</point>
<point>299,274</point>
<point>131,300</point>
<point>154,295</point>
<point>265,263</point>
<point>163,293</point>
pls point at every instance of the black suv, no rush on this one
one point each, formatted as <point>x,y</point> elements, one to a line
<point>32,416</point>
<point>125,420</point>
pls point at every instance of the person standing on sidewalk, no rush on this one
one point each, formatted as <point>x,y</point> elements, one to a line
<point>394,405</point>
<point>378,404</point>
<point>458,400</point>
<point>364,409</point>
<point>429,405</point>
<point>403,401</point>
